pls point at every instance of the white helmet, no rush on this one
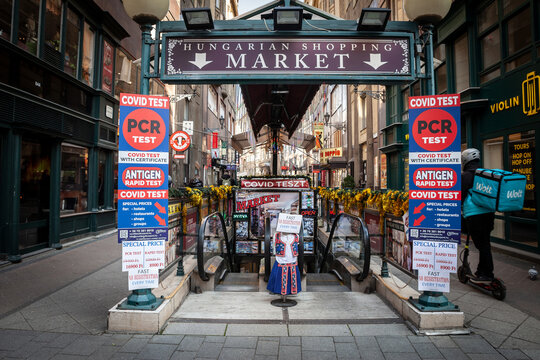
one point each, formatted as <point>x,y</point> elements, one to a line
<point>469,155</point>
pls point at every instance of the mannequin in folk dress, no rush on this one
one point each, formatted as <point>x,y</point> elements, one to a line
<point>285,276</point>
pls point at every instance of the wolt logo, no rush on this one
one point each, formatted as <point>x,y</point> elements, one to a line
<point>514,194</point>
<point>531,94</point>
<point>484,188</point>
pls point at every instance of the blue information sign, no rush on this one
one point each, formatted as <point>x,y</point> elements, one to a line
<point>435,168</point>
<point>143,168</point>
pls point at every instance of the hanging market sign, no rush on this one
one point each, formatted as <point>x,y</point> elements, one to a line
<point>340,58</point>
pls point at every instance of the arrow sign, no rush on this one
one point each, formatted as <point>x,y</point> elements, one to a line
<point>159,220</point>
<point>374,61</point>
<point>160,208</point>
<point>417,222</point>
<point>200,60</point>
<point>419,208</point>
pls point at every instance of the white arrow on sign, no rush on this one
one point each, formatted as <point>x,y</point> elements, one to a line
<point>200,60</point>
<point>375,61</point>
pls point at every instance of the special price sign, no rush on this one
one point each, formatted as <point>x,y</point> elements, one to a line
<point>435,168</point>
<point>143,168</point>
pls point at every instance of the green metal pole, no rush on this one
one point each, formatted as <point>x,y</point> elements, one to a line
<point>432,300</point>
<point>180,269</point>
<point>14,187</point>
<point>143,299</point>
<point>54,207</point>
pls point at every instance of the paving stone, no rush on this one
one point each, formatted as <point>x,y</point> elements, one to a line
<point>105,353</point>
<point>367,343</point>
<point>248,342</point>
<point>344,339</point>
<point>317,343</point>
<point>122,356</point>
<point>45,337</point>
<point>415,339</point>
<point>319,330</point>
<point>443,341</point>
<point>236,354</point>
<point>63,340</point>
<point>513,354</point>
<point>68,357</point>
<point>371,354</point>
<point>269,338</point>
<point>216,339</point>
<point>486,357</point>
<point>290,340</point>
<point>44,353</point>
<point>116,339</point>
<point>379,329</point>
<point>267,348</point>
<point>453,354</point>
<point>210,350</point>
<point>318,355</point>
<point>394,344</point>
<point>265,357</point>
<point>134,345</point>
<point>195,329</point>
<point>191,343</point>
<point>534,354</point>
<point>29,349</point>
<point>513,316</point>
<point>474,345</point>
<point>156,351</point>
<point>527,332</point>
<point>493,338</point>
<point>401,356</point>
<point>347,351</point>
<point>10,340</point>
<point>257,330</point>
<point>183,355</point>
<point>427,351</point>
<point>84,346</point>
<point>290,352</point>
<point>515,343</point>
<point>166,339</point>
<point>497,326</point>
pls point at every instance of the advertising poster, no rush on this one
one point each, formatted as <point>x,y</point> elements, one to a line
<point>434,183</point>
<point>143,163</point>
<point>318,132</point>
<point>107,74</point>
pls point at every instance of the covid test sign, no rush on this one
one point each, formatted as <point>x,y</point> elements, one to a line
<point>434,188</point>
<point>143,168</point>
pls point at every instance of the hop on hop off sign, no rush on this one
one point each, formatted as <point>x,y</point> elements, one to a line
<point>434,188</point>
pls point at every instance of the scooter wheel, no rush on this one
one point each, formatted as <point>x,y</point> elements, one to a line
<point>499,291</point>
<point>462,274</point>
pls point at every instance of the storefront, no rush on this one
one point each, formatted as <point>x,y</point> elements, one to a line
<point>505,133</point>
<point>58,122</point>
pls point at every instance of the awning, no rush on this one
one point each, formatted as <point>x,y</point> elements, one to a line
<point>240,142</point>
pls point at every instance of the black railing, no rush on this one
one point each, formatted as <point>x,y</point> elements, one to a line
<point>204,242</point>
<point>352,234</point>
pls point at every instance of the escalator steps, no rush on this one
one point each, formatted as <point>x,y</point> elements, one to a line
<point>324,283</point>
<point>240,282</point>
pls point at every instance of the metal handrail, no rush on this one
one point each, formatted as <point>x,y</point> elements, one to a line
<point>200,245</point>
<point>367,245</point>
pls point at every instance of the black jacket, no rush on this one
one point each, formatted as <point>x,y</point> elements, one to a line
<point>467,177</point>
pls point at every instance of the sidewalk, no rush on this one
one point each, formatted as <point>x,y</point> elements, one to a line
<point>54,306</point>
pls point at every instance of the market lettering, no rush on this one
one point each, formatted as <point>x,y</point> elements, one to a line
<point>246,204</point>
<point>505,104</point>
<point>284,61</point>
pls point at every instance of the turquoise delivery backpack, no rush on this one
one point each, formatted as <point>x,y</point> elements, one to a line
<point>498,190</point>
<point>471,209</point>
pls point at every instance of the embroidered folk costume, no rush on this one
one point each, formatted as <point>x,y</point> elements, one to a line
<point>285,275</point>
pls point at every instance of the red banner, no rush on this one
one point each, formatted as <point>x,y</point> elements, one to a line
<point>214,140</point>
<point>275,184</point>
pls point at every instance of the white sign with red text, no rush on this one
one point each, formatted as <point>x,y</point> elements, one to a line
<point>143,255</point>
<point>274,184</point>
<point>143,279</point>
<point>289,223</point>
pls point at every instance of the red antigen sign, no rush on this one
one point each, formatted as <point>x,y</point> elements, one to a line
<point>440,178</point>
<point>143,177</point>
<point>275,184</point>
<point>434,195</point>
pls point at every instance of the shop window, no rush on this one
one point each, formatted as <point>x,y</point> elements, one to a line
<point>125,79</point>
<point>88,55</point>
<point>107,74</point>
<point>488,16</point>
<point>492,158</point>
<point>461,50</point>
<point>53,18</point>
<point>74,179</point>
<point>101,178</point>
<point>28,25</point>
<point>212,100</point>
<point>519,32</point>
<point>5,18</point>
<point>71,56</point>
<point>511,5</point>
<point>439,63</point>
<point>490,45</point>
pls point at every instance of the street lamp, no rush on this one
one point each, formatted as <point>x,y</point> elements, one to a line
<point>427,13</point>
<point>327,118</point>
<point>146,14</point>
<point>221,121</point>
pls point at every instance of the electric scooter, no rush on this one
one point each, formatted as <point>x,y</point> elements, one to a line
<point>496,286</point>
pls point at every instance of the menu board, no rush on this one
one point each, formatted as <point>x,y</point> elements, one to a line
<point>521,160</point>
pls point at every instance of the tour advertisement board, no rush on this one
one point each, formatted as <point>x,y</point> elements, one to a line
<point>143,168</point>
<point>434,188</point>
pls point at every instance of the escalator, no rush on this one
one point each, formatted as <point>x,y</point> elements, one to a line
<point>340,263</point>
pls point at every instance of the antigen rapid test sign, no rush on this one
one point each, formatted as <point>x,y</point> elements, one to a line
<point>435,187</point>
<point>143,169</point>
